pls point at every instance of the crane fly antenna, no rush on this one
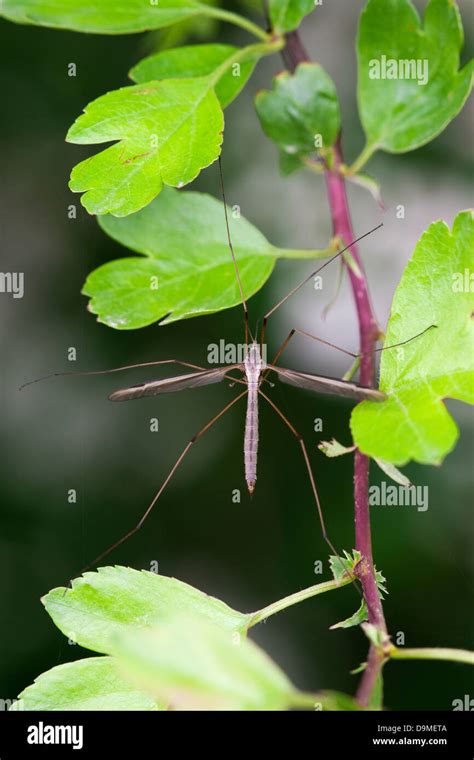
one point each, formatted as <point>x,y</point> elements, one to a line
<point>234,260</point>
<point>310,276</point>
<point>108,371</point>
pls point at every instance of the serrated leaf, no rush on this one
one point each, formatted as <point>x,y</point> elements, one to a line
<point>333,448</point>
<point>103,17</point>
<point>92,684</point>
<point>344,564</point>
<point>167,131</point>
<point>301,108</point>
<point>194,665</point>
<point>286,15</point>
<point>413,423</point>
<point>100,605</point>
<point>188,268</point>
<point>197,61</point>
<point>399,114</point>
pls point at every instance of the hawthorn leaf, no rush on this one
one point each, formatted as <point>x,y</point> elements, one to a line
<point>340,568</point>
<point>104,17</point>
<point>333,448</point>
<point>91,684</point>
<point>287,15</point>
<point>197,61</point>
<point>344,565</point>
<point>186,269</point>
<point>114,600</point>
<point>167,131</point>
<point>435,289</point>
<point>301,113</point>
<point>409,83</point>
<point>192,664</point>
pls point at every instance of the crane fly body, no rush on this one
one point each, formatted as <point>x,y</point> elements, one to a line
<point>254,371</point>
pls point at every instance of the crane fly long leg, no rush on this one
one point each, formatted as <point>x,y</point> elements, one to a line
<point>304,450</point>
<point>305,334</point>
<point>310,276</point>
<point>402,342</point>
<point>137,527</point>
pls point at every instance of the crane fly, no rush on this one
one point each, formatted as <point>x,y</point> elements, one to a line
<point>254,372</point>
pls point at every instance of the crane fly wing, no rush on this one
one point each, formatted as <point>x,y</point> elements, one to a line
<point>321,384</point>
<point>172,384</point>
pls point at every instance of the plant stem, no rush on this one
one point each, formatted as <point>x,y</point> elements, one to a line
<point>294,53</point>
<point>299,596</point>
<point>362,159</point>
<point>432,653</point>
<point>257,50</point>
<point>237,20</point>
<point>318,253</point>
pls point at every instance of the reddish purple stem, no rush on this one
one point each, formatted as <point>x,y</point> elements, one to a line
<point>293,54</point>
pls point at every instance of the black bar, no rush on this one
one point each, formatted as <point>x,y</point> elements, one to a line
<point>369,734</point>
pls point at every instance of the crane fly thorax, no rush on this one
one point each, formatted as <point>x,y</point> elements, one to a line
<point>254,364</point>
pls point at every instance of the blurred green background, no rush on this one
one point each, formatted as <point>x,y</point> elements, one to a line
<point>65,434</point>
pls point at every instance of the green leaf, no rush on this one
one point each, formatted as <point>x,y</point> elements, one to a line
<point>91,684</point>
<point>192,664</point>
<point>340,567</point>
<point>104,16</point>
<point>287,15</point>
<point>333,448</point>
<point>360,616</point>
<point>301,111</point>
<point>188,268</point>
<point>114,600</point>
<point>435,289</point>
<point>197,61</point>
<point>167,131</point>
<point>289,163</point>
<point>400,114</point>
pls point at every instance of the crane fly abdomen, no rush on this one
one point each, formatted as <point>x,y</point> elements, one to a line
<point>251,437</point>
<point>253,365</point>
